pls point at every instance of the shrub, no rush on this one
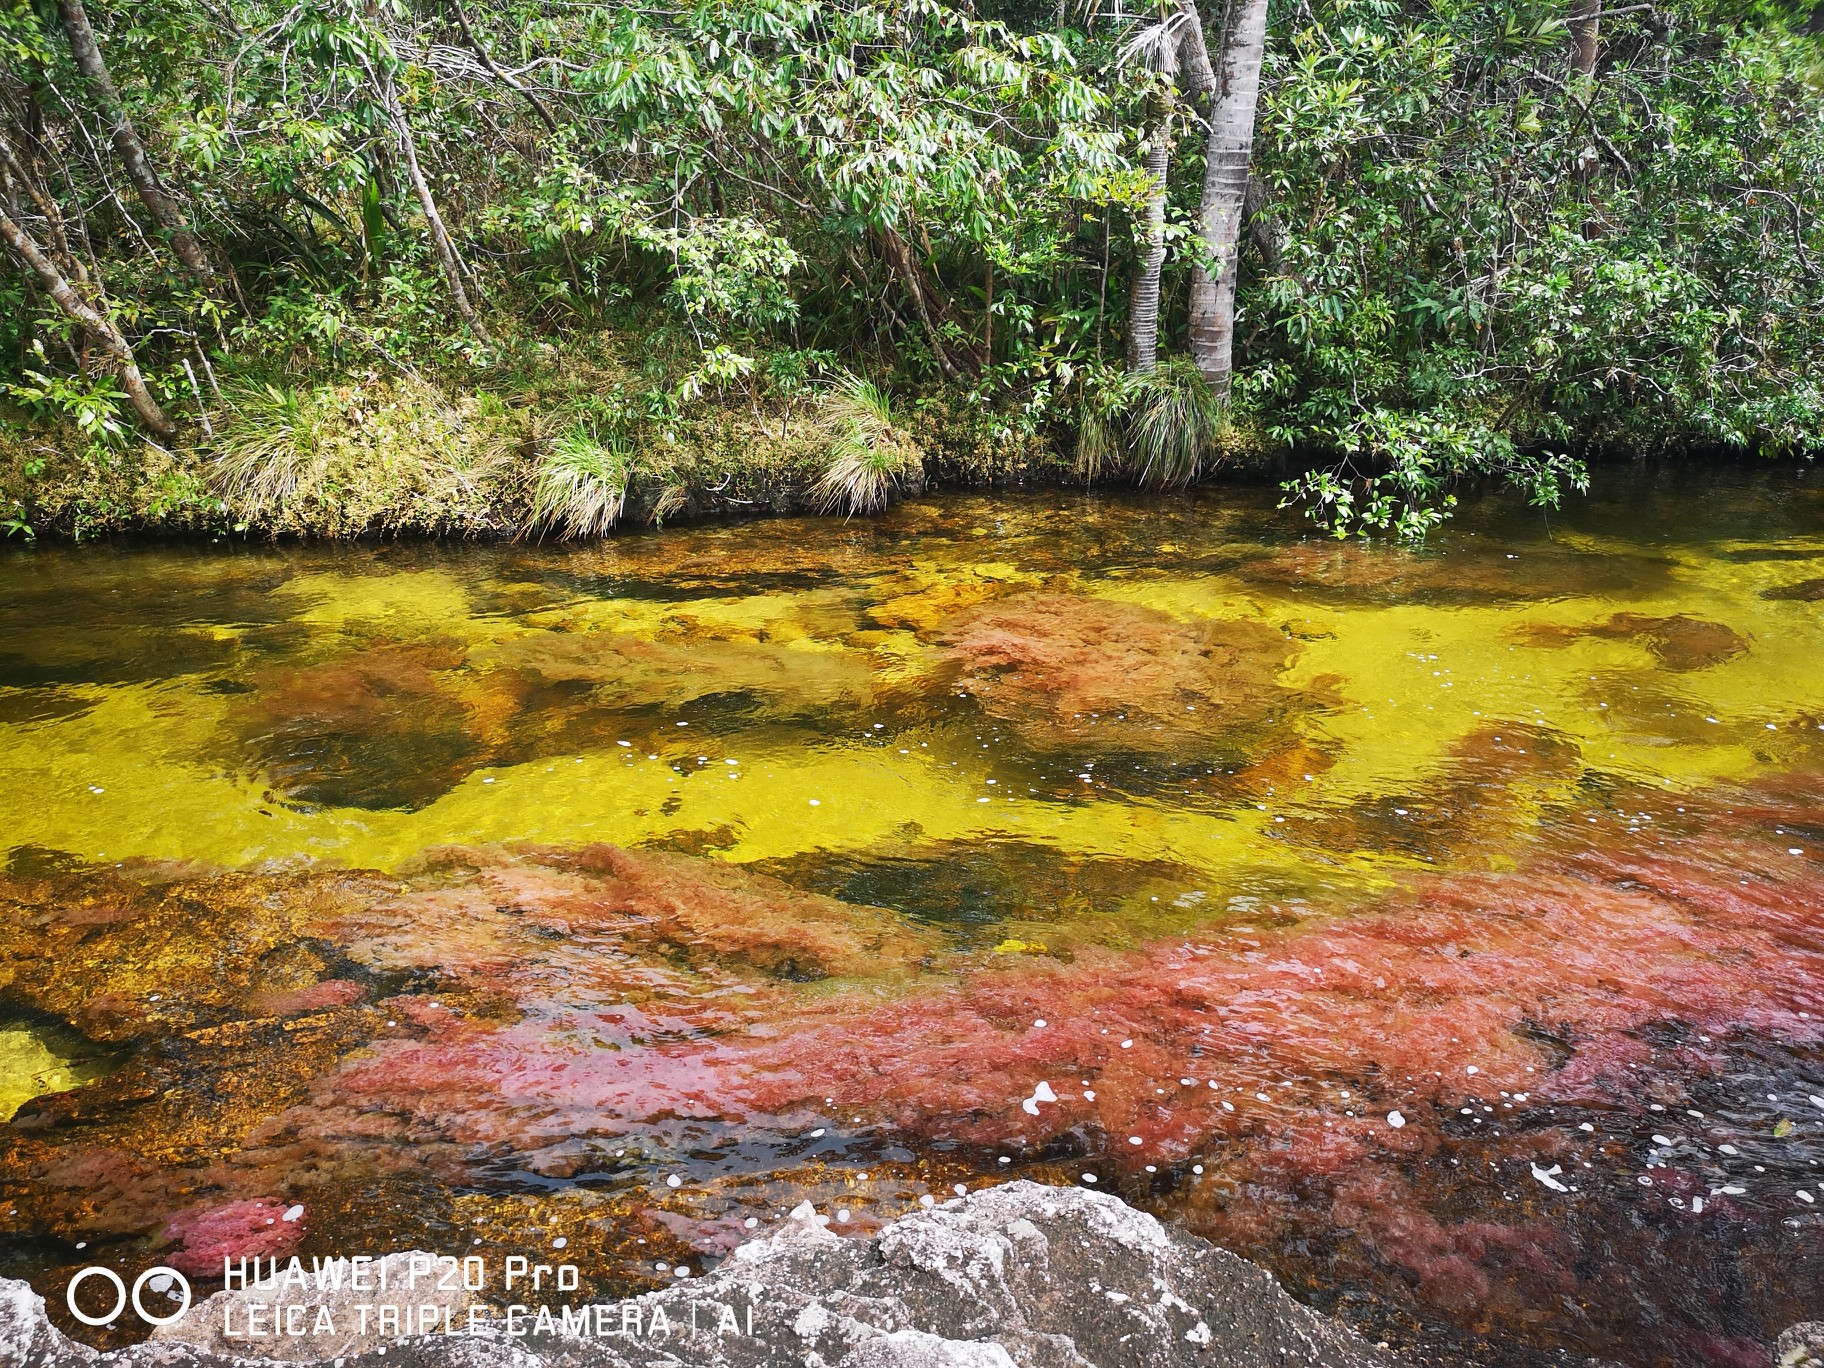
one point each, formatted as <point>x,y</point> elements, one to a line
<point>340,460</point>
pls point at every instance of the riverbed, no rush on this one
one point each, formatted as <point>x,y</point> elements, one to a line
<point>1443,929</point>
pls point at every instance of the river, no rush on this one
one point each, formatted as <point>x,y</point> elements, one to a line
<point>1443,929</point>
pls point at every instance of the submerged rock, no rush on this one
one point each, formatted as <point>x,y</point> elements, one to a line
<point>1805,591</point>
<point>1020,1274</point>
<point>1679,642</point>
<point>1059,665</point>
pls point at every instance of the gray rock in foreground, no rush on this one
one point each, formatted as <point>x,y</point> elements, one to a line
<point>1802,1346</point>
<point>1021,1274</point>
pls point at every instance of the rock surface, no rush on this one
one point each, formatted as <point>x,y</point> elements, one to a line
<point>1802,1346</point>
<point>409,1286</point>
<point>1020,1274</point>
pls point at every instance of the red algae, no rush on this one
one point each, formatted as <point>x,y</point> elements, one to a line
<point>315,997</point>
<point>1401,1085</point>
<point>247,1229</point>
<point>486,918</point>
<point>553,988</point>
<point>1420,1002</point>
<point>1052,662</point>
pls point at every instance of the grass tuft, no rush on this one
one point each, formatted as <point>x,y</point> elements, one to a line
<point>1178,421</point>
<point>1162,428</point>
<point>263,457</point>
<point>869,454</point>
<point>582,484</point>
<point>1101,449</point>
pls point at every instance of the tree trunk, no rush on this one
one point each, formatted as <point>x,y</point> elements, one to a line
<point>1143,306</point>
<point>127,143</point>
<point>1179,51</point>
<point>1586,35</point>
<point>447,259</point>
<point>1264,229</point>
<point>1194,53</point>
<point>96,324</point>
<point>1225,187</point>
<point>942,327</point>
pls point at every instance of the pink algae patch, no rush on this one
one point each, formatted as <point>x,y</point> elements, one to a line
<point>1234,1046</point>
<point>566,997</point>
<point>246,1229</point>
<point>581,994</point>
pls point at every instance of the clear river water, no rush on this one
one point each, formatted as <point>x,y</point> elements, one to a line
<point>1443,929</point>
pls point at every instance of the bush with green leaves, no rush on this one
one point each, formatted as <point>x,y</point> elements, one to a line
<point>1477,260</point>
<point>1465,258</point>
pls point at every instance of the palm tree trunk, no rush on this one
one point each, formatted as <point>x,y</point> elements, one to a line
<point>1179,52</point>
<point>53,282</point>
<point>1225,187</point>
<point>1586,35</point>
<point>1143,305</point>
<point>127,143</point>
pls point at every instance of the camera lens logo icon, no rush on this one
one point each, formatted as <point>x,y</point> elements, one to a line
<point>162,1280</point>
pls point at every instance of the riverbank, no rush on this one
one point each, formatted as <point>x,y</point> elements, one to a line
<point>630,428</point>
<point>548,446</point>
<point>569,447</point>
<point>627,427</point>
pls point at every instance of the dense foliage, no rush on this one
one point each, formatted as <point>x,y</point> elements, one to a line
<point>1465,254</point>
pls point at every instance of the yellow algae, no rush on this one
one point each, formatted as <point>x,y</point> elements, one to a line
<point>773,803</point>
<point>627,670</point>
<point>897,656</point>
<point>28,1069</point>
<point>814,616</point>
<point>402,702</point>
<point>1203,596</point>
<point>399,599</point>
